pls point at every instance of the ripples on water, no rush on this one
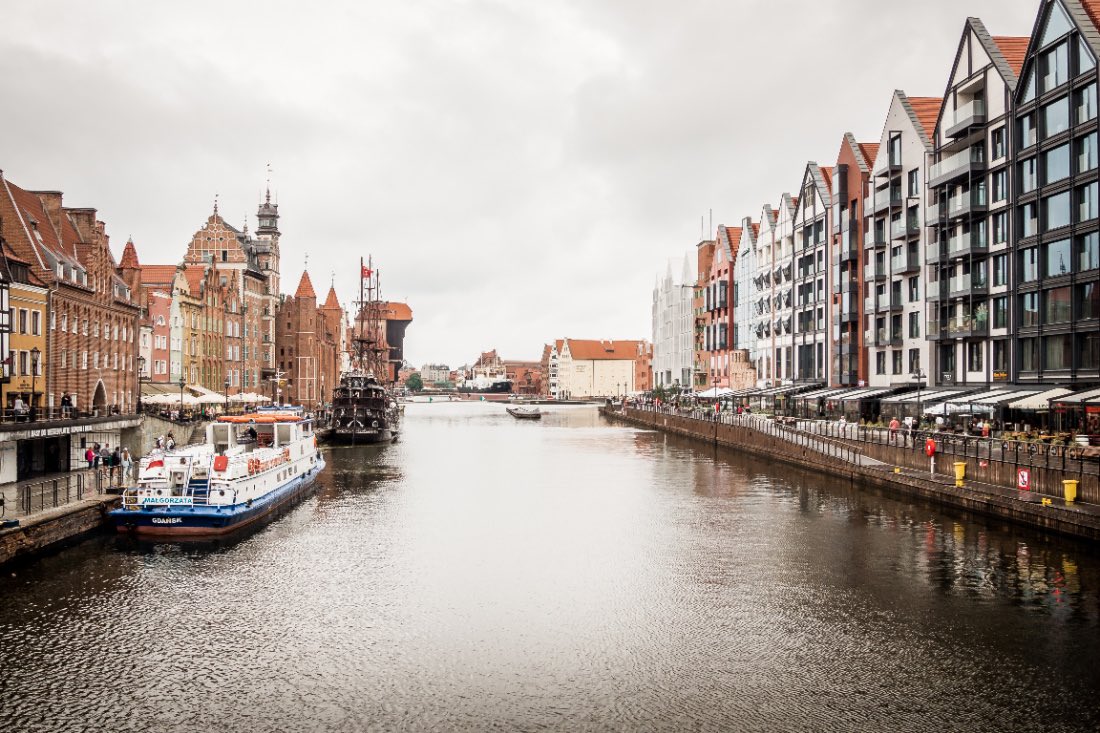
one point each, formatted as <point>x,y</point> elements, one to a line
<point>485,574</point>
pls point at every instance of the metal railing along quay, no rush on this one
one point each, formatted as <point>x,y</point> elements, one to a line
<point>38,495</point>
<point>905,447</point>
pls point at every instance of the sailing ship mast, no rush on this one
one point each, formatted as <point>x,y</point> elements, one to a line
<point>370,342</point>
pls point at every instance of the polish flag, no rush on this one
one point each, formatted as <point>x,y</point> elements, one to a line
<point>367,272</point>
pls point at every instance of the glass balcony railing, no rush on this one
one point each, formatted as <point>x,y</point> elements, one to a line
<point>874,270</point>
<point>905,262</point>
<point>963,204</point>
<point>961,244</point>
<point>966,284</point>
<point>957,164</point>
<point>971,113</point>
<point>874,237</point>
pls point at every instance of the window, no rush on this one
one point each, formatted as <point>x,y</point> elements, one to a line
<point>1088,351</point>
<point>1055,211</point>
<point>95,360</point>
<point>24,356</point>
<point>998,143</point>
<point>1000,270</point>
<point>1028,225</point>
<point>913,182</point>
<point>1026,130</point>
<point>1057,25</point>
<point>1088,252</point>
<point>1057,258</point>
<point>1000,356</point>
<point>1084,104</point>
<point>1054,67</point>
<point>1056,164</point>
<point>914,325</point>
<point>1087,202</point>
<point>1088,300</point>
<point>974,353</point>
<point>22,320</point>
<point>1086,153</point>
<point>64,321</point>
<point>1029,264</point>
<point>1000,312</point>
<point>83,359</point>
<point>1056,305</point>
<point>1000,185</point>
<point>1085,61</point>
<point>1054,117</point>
<point>896,361</point>
<point>1028,178</point>
<point>914,289</point>
<point>1029,355</point>
<point>1057,352</point>
<point>1000,227</point>
<point>36,322</point>
<point>1029,309</point>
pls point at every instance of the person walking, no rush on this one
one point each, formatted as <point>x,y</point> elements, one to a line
<point>127,462</point>
<point>894,426</point>
<point>89,456</point>
<point>116,463</point>
<point>170,443</point>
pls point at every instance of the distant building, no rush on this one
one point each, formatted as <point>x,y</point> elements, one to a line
<point>583,368</point>
<point>435,374</point>
<point>673,325</point>
<point>307,345</point>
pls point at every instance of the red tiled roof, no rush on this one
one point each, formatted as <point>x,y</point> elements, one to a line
<point>1092,7</point>
<point>927,109</point>
<point>158,274</point>
<point>756,230</point>
<point>1014,49</point>
<point>870,152</point>
<point>129,256</point>
<point>305,287</point>
<point>827,174</point>
<point>332,302</point>
<point>393,311</point>
<point>32,208</point>
<point>195,274</point>
<point>603,350</point>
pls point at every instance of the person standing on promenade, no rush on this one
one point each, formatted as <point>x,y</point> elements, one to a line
<point>894,426</point>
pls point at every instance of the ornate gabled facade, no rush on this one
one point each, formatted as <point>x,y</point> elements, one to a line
<point>811,338</point>
<point>92,338</point>
<point>308,342</point>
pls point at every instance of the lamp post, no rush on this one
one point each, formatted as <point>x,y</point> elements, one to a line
<point>226,394</point>
<point>919,376</point>
<point>36,353</point>
<point>182,383</point>
<point>141,376</point>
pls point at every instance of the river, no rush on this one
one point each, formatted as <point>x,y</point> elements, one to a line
<point>568,574</point>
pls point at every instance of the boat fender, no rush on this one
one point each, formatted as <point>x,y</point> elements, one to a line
<point>374,424</point>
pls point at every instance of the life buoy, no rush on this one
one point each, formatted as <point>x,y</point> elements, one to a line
<point>930,447</point>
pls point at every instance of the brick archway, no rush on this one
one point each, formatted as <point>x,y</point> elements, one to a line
<point>99,401</point>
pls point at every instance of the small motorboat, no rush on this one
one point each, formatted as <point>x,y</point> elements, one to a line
<point>525,413</point>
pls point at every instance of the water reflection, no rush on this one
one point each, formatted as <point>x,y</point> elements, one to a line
<point>568,575</point>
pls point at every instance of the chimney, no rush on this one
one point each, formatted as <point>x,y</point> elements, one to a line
<point>51,202</point>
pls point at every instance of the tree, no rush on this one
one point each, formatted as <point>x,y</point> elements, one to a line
<point>414,382</point>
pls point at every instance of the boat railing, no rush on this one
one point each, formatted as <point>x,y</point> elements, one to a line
<point>132,497</point>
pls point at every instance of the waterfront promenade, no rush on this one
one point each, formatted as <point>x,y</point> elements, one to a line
<point>897,462</point>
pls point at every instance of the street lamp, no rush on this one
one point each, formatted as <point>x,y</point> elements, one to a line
<point>141,376</point>
<point>919,376</point>
<point>226,394</point>
<point>35,354</point>
<point>182,383</point>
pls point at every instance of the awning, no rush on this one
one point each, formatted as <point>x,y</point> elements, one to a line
<point>1080,398</point>
<point>925,395</point>
<point>865,394</point>
<point>982,401</point>
<point>818,394</point>
<point>744,392</point>
<point>1039,401</point>
<point>709,394</point>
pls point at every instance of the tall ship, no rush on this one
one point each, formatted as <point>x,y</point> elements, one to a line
<point>249,466</point>
<point>364,404</point>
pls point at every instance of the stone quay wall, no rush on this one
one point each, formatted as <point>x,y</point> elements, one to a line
<point>853,462</point>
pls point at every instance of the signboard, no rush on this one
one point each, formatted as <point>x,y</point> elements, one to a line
<point>1023,479</point>
<point>149,500</point>
<point>1000,376</point>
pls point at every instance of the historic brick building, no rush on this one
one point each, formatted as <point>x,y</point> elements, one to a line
<point>92,333</point>
<point>255,261</point>
<point>308,342</point>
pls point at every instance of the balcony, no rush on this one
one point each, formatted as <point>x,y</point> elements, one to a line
<point>973,284</point>
<point>962,163</point>
<point>896,302</point>
<point>932,215</point>
<point>969,115</point>
<point>875,238</point>
<point>870,305</point>
<point>875,270</point>
<point>886,198</point>
<point>905,263</point>
<point>895,336</point>
<point>965,326</point>
<point>847,249</point>
<point>891,165</point>
<point>972,242</point>
<point>966,204</point>
<point>871,337</point>
<point>937,290</point>
<point>842,222</point>
<point>906,226</point>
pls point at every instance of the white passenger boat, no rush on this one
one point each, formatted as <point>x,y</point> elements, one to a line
<point>249,466</point>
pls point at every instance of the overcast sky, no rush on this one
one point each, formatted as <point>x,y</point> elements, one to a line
<point>519,170</point>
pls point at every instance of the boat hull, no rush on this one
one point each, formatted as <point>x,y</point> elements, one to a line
<point>211,521</point>
<point>369,436</point>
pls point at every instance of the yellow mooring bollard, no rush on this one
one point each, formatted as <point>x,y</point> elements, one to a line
<point>897,469</point>
<point>960,473</point>
<point>1069,488</point>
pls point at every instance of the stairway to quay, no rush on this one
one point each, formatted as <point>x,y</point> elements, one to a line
<point>897,462</point>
